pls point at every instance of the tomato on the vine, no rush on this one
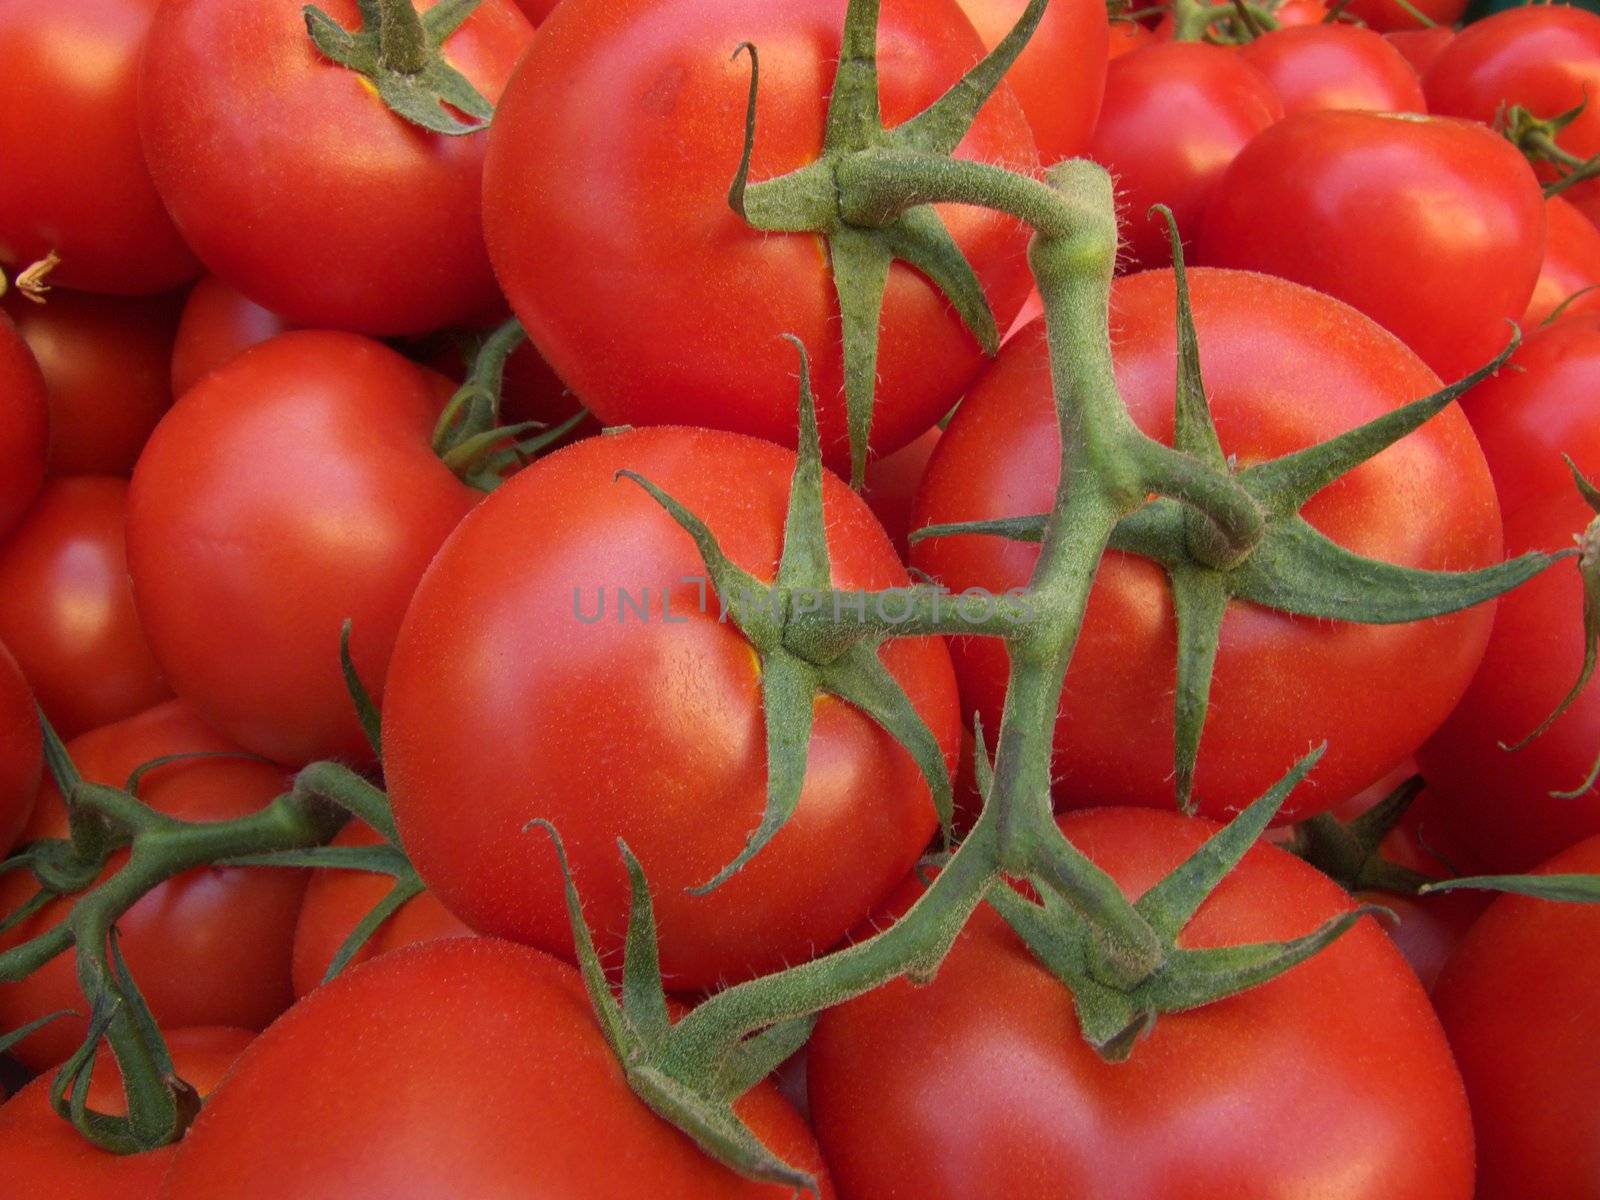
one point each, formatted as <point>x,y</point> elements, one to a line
<point>210,947</point>
<point>219,323</point>
<point>24,427</point>
<point>21,752</point>
<point>1281,683</point>
<point>1335,66</point>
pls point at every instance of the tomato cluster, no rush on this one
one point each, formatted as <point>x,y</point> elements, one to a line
<point>741,598</point>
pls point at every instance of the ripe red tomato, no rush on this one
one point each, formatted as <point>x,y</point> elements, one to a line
<point>1175,116</point>
<point>1545,58</point>
<point>337,901</point>
<point>309,458</point>
<point>66,610</point>
<point>75,179</point>
<point>24,427</point>
<point>218,324</point>
<point>210,947</point>
<point>1335,66</point>
<point>1387,16</point>
<point>1571,264</point>
<point>1353,204</point>
<point>892,485</point>
<point>1521,1003</point>
<point>1333,1080</point>
<point>1501,801</point>
<point>1281,683</point>
<point>42,1155</point>
<point>21,752</point>
<point>682,326</point>
<point>1421,46</point>
<point>104,360</point>
<point>645,729</point>
<point>297,186</point>
<point>1126,37</point>
<point>1059,77</point>
<point>466,1045</point>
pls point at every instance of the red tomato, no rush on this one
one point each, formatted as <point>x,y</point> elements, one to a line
<point>1391,213</point>
<point>682,326</point>
<point>1057,79</point>
<point>1126,37</point>
<point>1333,1080</point>
<point>649,730</point>
<point>297,186</point>
<point>338,901</point>
<point>1421,46</point>
<point>309,458</point>
<point>210,947</point>
<point>1521,1003</point>
<point>1545,58</point>
<point>1175,116</point>
<point>75,179</point>
<point>24,427</point>
<point>422,1074</point>
<point>66,610</point>
<point>892,484</point>
<point>218,325</point>
<point>1281,683</point>
<point>1501,801</point>
<point>1387,16</point>
<point>1571,264</point>
<point>21,752</point>
<point>42,1155</point>
<point>105,361</point>
<point>1335,66</point>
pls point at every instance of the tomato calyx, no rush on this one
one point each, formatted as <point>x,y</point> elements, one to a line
<point>401,52</point>
<point>1537,138</point>
<point>1350,853</point>
<point>32,282</point>
<point>1233,24</point>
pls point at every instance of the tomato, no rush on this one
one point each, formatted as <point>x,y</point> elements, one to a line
<point>475,1043</point>
<point>682,325</point>
<point>309,458</point>
<point>1433,228</point>
<point>1545,58</point>
<point>670,705</point>
<point>1175,116</point>
<point>1571,264</point>
<point>537,10</point>
<point>338,901</point>
<point>892,484</point>
<point>1126,37</point>
<point>1335,66</point>
<point>251,134</point>
<point>75,179</point>
<point>66,610</point>
<point>210,947</point>
<point>1332,1080</point>
<point>1281,683</point>
<point>1527,418</point>
<point>1058,78</point>
<point>1388,16</point>
<point>24,427</point>
<point>218,324</point>
<point>1520,1001</point>
<point>104,360</point>
<point>21,752</point>
<point>43,1155</point>
<point>1421,46</point>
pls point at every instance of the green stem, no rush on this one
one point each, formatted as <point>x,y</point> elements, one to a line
<point>823,626</point>
<point>402,40</point>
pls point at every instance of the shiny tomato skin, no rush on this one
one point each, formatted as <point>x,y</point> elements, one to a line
<point>1335,66</point>
<point>1520,1002</point>
<point>294,182</point>
<point>66,610</point>
<point>24,427</point>
<point>211,947</point>
<point>422,1074</point>
<point>1386,16</point>
<point>21,752</point>
<point>104,360</point>
<point>648,730</point>
<point>1057,79</point>
<point>75,179</point>
<point>1421,46</point>
<point>1571,265</point>
<point>43,1155</point>
<point>1281,684</point>
<point>979,1085</point>
<point>1175,115</point>
<point>1350,203</point>
<point>683,324</point>
<point>219,323</point>
<point>337,901</point>
<point>309,456</point>
<point>1545,58</point>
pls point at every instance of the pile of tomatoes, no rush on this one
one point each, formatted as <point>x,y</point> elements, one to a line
<point>386,387</point>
